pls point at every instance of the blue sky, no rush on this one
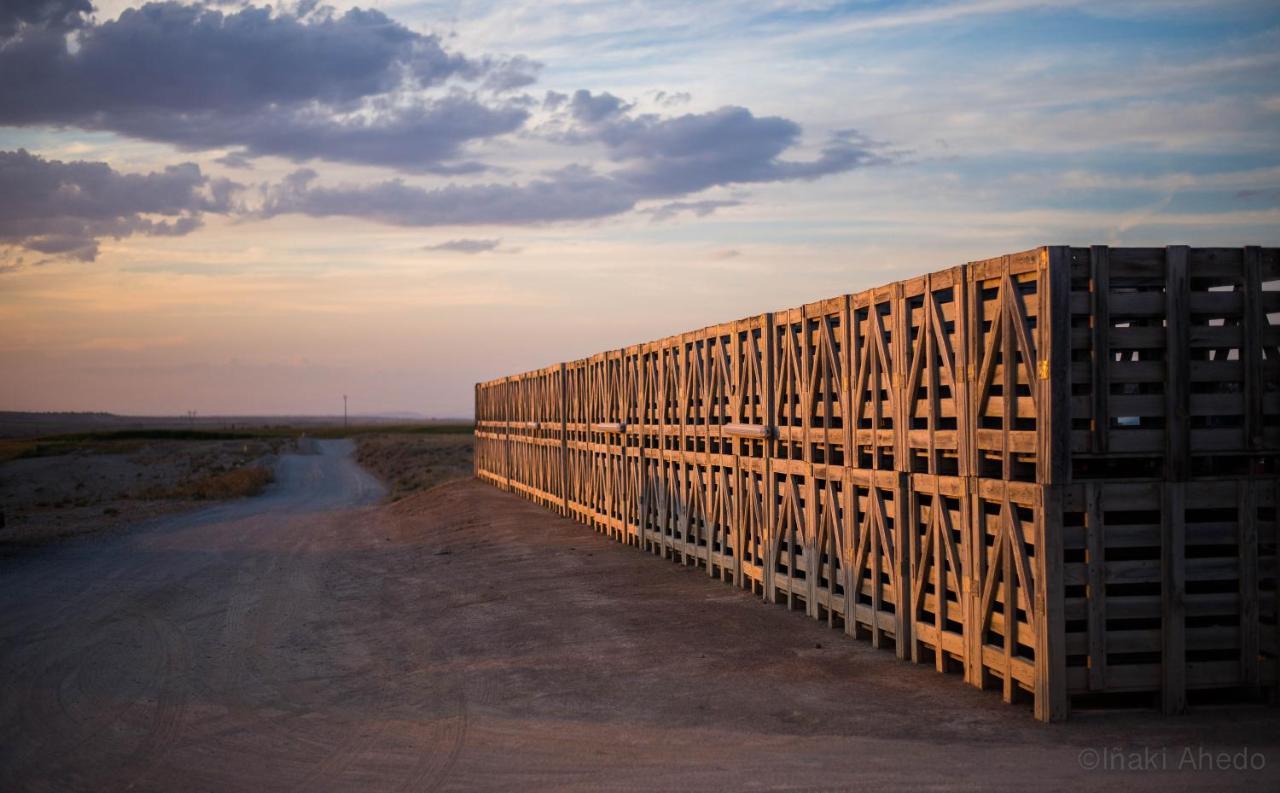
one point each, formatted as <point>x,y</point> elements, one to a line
<point>397,203</point>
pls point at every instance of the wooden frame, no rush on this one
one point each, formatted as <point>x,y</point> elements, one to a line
<point>1053,471</point>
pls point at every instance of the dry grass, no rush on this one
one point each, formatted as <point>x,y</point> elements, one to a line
<point>59,487</point>
<point>410,463</point>
<point>249,480</point>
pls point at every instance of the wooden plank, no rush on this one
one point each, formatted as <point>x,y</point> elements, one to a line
<point>1177,360</point>
<point>1275,594</point>
<point>1051,703</point>
<point>1248,558</point>
<point>1054,369</point>
<point>1254,324</point>
<point>770,487</point>
<point>1100,326</point>
<point>1097,591</point>
<point>1173,678</point>
<point>902,565</point>
<point>763,431</point>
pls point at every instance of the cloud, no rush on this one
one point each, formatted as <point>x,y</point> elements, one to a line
<point>593,109</point>
<point>426,136</point>
<point>667,156</point>
<point>570,194</point>
<point>510,74</point>
<point>56,15</point>
<point>700,209</point>
<point>554,100</point>
<point>659,158</point>
<point>304,85</point>
<point>673,98</point>
<point>64,208</point>
<point>730,253</point>
<point>235,160</point>
<point>311,84</point>
<point>465,246</point>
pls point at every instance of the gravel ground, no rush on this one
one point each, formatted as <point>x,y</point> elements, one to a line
<point>463,639</point>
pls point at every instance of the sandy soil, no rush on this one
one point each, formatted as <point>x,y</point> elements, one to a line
<point>464,639</point>
<point>101,485</point>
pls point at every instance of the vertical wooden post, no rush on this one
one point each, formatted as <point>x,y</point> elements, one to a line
<point>975,630</point>
<point>1177,451</point>
<point>1055,335</point>
<point>1178,363</point>
<point>769,517</point>
<point>962,389</point>
<point>1275,594</point>
<point>809,515</point>
<point>1095,540</point>
<point>564,440</point>
<point>1100,308</point>
<point>811,552</point>
<point>1051,637</point>
<point>1255,321</point>
<point>902,566</point>
<point>506,433</point>
<point>1173,597</point>
<point>897,391</point>
<point>1247,526</point>
<point>1054,330</point>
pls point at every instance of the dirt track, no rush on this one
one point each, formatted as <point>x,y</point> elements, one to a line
<point>464,639</point>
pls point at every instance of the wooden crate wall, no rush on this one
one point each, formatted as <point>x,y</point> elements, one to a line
<point>1053,472</point>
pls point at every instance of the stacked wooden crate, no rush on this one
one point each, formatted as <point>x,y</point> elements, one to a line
<point>1054,472</point>
<point>1169,518</point>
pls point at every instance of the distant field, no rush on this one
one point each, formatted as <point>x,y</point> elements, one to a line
<point>73,482</point>
<point>17,424</point>
<point>62,487</point>
<point>120,439</point>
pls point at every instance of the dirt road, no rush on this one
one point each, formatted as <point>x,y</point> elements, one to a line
<point>462,639</point>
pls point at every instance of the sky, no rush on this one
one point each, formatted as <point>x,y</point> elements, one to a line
<point>238,208</point>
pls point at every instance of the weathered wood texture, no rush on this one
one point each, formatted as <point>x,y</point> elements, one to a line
<point>1054,472</point>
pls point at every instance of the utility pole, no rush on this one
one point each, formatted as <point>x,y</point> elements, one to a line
<point>344,411</point>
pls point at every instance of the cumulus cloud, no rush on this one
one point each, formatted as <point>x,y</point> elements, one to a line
<point>691,152</point>
<point>56,15</point>
<point>426,136</point>
<point>303,85</point>
<point>593,109</point>
<point>657,157</point>
<point>569,194</point>
<point>64,208</point>
<point>311,84</point>
<point>465,246</point>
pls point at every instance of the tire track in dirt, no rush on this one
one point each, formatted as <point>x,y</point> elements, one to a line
<point>95,731</point>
